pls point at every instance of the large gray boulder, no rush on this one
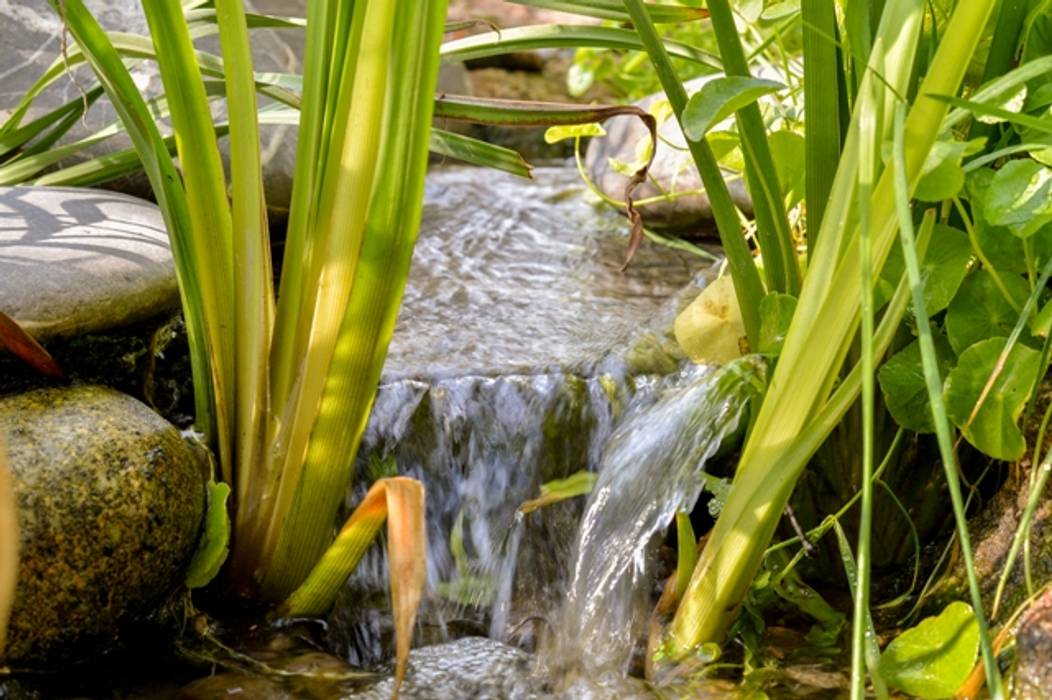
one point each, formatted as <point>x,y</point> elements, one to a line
<point>32,38</point>
<point>686,209</point>
<point>109,500</point>
<point>74,261</point>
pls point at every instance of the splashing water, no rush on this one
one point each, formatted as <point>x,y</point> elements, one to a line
<point>651,469</point>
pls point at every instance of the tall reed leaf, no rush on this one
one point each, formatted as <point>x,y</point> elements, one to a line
<point>400,502</point>
<point>823,326</point>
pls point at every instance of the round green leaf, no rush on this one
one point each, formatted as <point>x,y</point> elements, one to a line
<point>902,383</point>
<point>934,658</point>
<point>943,268</point>
<point>995,429</point>
<point>720,98</point>
<point>980,310</point>
<point>1019,197</point>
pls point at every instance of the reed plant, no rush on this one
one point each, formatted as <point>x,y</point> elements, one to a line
<point>870,90</point>
<point>284,381</point>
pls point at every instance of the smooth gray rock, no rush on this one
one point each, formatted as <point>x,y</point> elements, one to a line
<point>110,500</point>
<point>673,169</point>
<point>31,38</point>
<point>74,260</point>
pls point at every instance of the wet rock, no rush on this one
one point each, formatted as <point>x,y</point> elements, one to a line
<point>472,667</point>
<point>516,277</point>
<point>74,261</point>
<point>992,530</point>
<point>32,39</point>
<point>687,210</point>
<point>110,500</point>
<point>1032,675</point>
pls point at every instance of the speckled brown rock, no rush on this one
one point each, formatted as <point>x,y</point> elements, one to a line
<point>110,500</point>
<point>1032,677</point>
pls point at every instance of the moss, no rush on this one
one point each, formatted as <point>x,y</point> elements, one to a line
<point>110,500</point>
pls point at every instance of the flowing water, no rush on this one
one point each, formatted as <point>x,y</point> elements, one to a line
<point>652,468</point>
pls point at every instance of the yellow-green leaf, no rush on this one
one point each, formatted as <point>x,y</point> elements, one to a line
<point>214,546</point>
<point>555,134</point>
<point>710,329</point>
<point>934,658</point>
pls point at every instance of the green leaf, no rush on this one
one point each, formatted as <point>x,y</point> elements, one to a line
<point>215,542</point>
<point>980,310</point>
<point>476,152</point>
<point>577,484</point>
<point>787,149</point>
<point>720,98</point>
<point>1019,197</point>
<point>934,658</point>
<point>710,328</point>
<point>942,176</point>
<point>902,383</point>
<point>944,267</point>
<point>555,134</point>
<point>994,429</point>
<point>776,312</point>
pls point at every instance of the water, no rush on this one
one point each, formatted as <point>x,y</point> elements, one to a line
<point>519,347</point>
<point>651,469</point>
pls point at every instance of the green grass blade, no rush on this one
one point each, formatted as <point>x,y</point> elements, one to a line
<point>614,10</point>
<point>822,77</point>
<point>481,153</point>
<point>159,168</point>
<point>253,274</point>
<point>207,204</point>
<point>934,385</point>
<point>559,36</point>
<point>869,124</point>
<point>772,224</point>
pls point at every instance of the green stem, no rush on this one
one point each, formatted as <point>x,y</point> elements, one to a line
<point>933,381</point>
<point>821,106</point>
<point>747,285</point>
<point>772,223</point>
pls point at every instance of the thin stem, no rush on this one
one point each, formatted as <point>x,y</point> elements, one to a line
<point>933,380</point>
<point>747,285</point>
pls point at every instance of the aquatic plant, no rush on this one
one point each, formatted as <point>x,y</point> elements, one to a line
<point>283,384</point>
<point>853,217</point>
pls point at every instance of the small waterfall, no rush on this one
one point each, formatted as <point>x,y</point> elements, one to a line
<point>651,469</point>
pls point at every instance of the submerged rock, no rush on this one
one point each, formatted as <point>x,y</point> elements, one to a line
<point>110,500</point>
<point>472,667</point>
<point>74,260</point>
<point>687,210</point>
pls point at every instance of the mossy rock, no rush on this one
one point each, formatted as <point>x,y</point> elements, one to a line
<point>110,501</point>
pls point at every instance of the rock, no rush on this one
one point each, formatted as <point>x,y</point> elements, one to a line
<point>1032,675</point>
<point>75,260</point>
<point>513,277</point>
<point>32,39</point>
<point>472,667</point>
<point>673,169</point>
<point>110,500</point>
